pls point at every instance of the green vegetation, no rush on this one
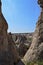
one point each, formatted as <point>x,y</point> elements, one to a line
<point>35,63</point>
<point>30,39</point>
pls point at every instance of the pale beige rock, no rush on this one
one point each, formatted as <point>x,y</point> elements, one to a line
<point>35,51</point>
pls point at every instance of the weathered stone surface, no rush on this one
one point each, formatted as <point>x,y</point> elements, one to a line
<point>22,42</point>
<point>35,51</point>
<point>22,50</point>
<point>20,63</point>
<point>41,3</point>
<point>8,52</point>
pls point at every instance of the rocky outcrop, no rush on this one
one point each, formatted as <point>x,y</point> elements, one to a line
<point>22,42</point>
<point>8,52</point>
<point>22,50</point>
<point>35,51</point>
<point>25,38</point>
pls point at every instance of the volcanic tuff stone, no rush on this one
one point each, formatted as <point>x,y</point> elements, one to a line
<point>35,51</point>
<point>8,52</point>
<point>22,42</point>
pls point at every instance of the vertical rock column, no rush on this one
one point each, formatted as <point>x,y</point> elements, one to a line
<point>35,51</point>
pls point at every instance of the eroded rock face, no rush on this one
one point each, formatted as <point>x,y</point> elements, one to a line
<point>35,51</point>
<point>22,42</point>
<point>22,50</point>
<point>8,52</point>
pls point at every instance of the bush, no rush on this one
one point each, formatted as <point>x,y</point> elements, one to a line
<point>35,63</point>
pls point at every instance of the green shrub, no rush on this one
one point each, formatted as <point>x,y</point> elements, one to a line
<point>35,63</point>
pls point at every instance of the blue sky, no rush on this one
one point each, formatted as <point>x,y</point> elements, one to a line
<point>21,15</point>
